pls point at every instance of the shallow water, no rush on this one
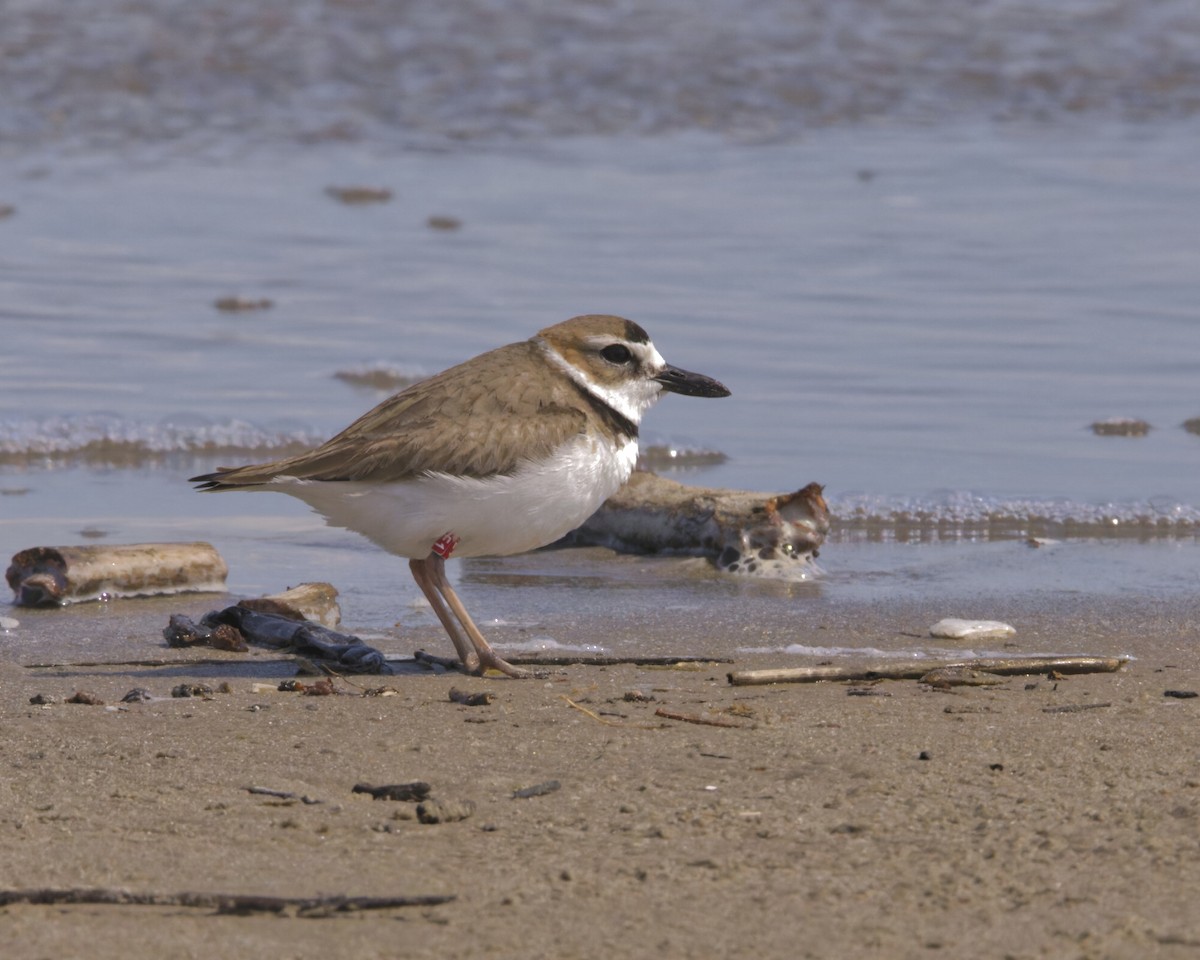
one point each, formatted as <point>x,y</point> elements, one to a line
<point>922,285</point>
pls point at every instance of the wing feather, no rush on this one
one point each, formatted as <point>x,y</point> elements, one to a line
<point>477,419</point>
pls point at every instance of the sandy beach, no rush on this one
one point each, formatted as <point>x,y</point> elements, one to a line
<point>799,820</point>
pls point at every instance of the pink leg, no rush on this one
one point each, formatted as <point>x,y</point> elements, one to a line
<point>425,580</point>
<point>483,656</point>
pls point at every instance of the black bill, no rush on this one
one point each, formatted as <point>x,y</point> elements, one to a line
<point>691,384</point>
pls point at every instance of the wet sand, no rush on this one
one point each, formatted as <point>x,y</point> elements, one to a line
<point>825,820</point>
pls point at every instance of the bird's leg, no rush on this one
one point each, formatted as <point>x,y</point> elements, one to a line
<point>483,655</point>
<point>421,574</point>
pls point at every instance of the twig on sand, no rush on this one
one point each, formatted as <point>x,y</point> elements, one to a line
<point>1076,707</point>
<point>604,720</point>
<point>603,660</point>
<point>689,718</point>
<point>914,670</point>
<point>282,795</point>
<point>221,902</point>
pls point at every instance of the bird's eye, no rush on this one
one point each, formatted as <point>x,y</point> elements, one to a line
<point>616,353</point>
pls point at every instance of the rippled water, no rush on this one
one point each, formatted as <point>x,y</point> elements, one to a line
<point>926,248</point>
<point>943,333</point>
<point>216,73</point>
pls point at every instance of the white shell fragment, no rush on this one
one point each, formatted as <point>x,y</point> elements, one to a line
<point>8,623</point>
<point>954,629</point>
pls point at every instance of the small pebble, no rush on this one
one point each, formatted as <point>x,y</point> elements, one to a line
<point>1181,694</point>
<point>8,623</point>
<point>192,690</point>
<point>953,628</point>
<point>137,695</point>
<point>445,811</point>
<point>322,688</point>
<point>42,700</point>
<point>537,790</point>
<point>479,699</point>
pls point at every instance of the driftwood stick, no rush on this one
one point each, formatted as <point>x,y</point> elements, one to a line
<point>220,902</point>
<point>604,720</point>
<point>601,660</point>
<point>689,718</point>
<point>914,670</point>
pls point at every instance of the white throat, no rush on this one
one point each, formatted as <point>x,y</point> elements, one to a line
<point>631,398</point>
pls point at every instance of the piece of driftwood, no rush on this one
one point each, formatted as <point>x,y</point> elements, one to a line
<point>307,601</point>
<point>741,532</point>
<point>283,795</point>
<point>915,670</point>
<point>573,660</point>
<point>689,718</point>
<point>1076,707</point>
<point>220,902</point>
<point>55,576</point>
<point>601,660</point>
<point>417,790</point>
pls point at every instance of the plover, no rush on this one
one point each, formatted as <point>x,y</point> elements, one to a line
<point>501,454</point>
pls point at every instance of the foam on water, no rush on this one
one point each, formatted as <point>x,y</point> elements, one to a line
<point>965,515</point>
<point>110,440</point>
<point>107,440</point>
<point>548,645</point>
<point>184,73</point>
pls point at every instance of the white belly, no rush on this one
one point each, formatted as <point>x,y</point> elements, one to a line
<point>493,517</point>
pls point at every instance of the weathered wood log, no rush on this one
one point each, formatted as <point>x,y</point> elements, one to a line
<point>54,576</point>
<point>914,670</point>
<point>741,532</point>
<point>220,902</point>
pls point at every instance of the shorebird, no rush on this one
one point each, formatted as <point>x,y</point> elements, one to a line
<point>501,454</point>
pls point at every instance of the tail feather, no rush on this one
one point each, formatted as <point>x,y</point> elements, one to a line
<point>229,478</point>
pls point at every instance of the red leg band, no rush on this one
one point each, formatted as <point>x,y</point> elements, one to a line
<point>444,545</point>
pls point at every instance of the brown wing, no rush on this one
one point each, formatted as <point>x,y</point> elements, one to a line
<point>477,419</point>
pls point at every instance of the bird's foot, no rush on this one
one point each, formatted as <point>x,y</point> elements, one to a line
<point>490,660</point>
